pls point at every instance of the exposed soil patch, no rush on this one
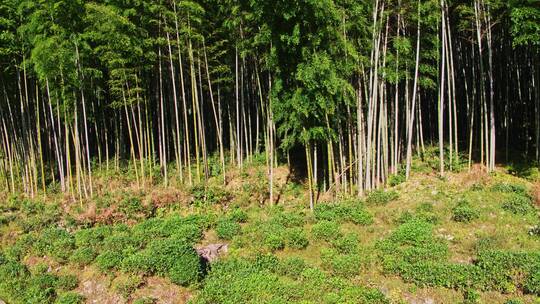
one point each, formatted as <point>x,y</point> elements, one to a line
<point>95,289</point>
<point>162,291</point>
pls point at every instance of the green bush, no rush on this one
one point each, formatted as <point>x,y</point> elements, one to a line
<point>69,298</point>
<point>358,215</point>
<point>518,204</point>
<point>381,197</point>
<point>514,301</point>
<point>275,241</point>
<point>126,285</point>
<point>326,230</point>
<point>296,238</point>
<point>238,215</point>
<point>347,243</point>
<point>92,237</point>
<point>471,296</point>
<point>189,233</point>
<point>292,267</point>
<point>532,282</point>
<point>67,282</point>
<point>344,265</point>
<point>56,243</point>
<point>83,256</point>
<point>351,211</point>
<point>133,208</point>
<point>108,260</point>
<point>329,212</point>
<point>510,188</point>
<point>396,179</point>
<point>463,212</point>
<point>175,259</point>
<point>290,219</point>
<point>227,229</point>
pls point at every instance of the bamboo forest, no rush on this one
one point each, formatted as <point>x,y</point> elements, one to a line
<point>257,151</point>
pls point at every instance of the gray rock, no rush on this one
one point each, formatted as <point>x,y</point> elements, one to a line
<point>211,252</point>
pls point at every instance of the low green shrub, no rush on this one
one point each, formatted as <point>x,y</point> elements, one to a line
<point>132,207</point>
<point>296,238</point>
<point>396,179</point>
<point>290,219</point>
<point>92,237</point>
<point>532,282</point>
<point>172,258</point>
<point>381,197</point>
<point>227,229</point>
<point>348,243</point>
<point>275,241</point>
<point>238,215</point>
<point>505,187</point>
<point>350,211</point>
<point>358,215</point>
<point>326,230</point>
<point>83,256</point>
<point>463,212</point>
<point>56,243</point>
<point>518,205</point>
<point>70,298</point>
<point>291,267</point>
<point>343,265</point>
<point>126,285</point>
<point>67,282</point>
<point>202,195</point>
<point>471,296</point>
<point>109,260</point>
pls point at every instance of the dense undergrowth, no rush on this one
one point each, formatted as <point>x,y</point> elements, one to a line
<point>469,238</point>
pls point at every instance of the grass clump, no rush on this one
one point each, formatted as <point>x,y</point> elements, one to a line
<point>296,238</point>
<point>347,211</point>
<point>518,205</point>
<point>326,230</point>
<point>70,298</point>
<point>227,229</point>
<point>381,197</point>
<point>463,212</point>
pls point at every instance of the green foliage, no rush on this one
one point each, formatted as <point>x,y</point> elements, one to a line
<point>133,208</point>
<point>326,230</point>
<point>513,301</point>
<point>463,212</point>
<point>67,282</point>
<point>518,204</point>
<point>126,285</point>
<point>55,242</point>
<point>292,267</point>
<point>348,243</point>
<point>532,282</point>
<point>471,296</point>
<point>70,298</point>
<point>351,211</point>
<point>83,256</point>
<point>396,179</point>
<point>108,260</point>
<point>172,258</point>
<point>381,197</point>
<point>344,265</point>
<point>238,215</point>
<point>205,195</point>
<point>275,241</point>
<point>227,229</point>
<point>296,238</point>
<point>505,187</point>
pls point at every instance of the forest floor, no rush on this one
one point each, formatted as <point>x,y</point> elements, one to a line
<point>470,237</point>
